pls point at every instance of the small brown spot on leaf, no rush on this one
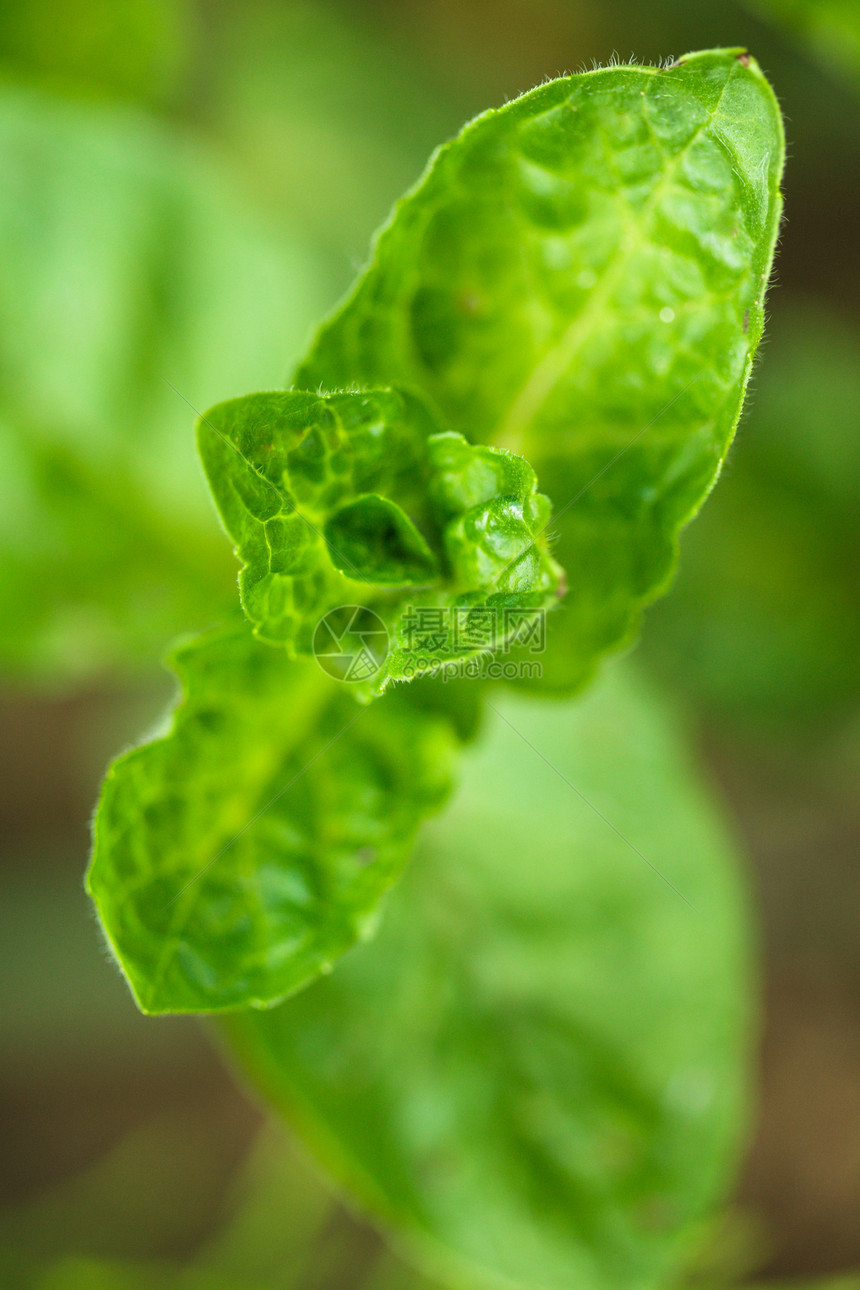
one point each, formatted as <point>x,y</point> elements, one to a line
<point>744,59</point>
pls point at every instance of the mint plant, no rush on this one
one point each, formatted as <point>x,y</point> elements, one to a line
<point>528,393</point>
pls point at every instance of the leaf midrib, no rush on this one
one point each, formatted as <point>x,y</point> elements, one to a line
<point>316,697</point>
<point>540,383</point>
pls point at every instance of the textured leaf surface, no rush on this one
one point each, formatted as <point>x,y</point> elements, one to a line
<point>536,1069</point>
<point>354,499</point>
<point>241,854</point>
<point>580,277</point>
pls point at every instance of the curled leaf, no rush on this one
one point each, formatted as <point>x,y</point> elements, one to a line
<point>356,500</point>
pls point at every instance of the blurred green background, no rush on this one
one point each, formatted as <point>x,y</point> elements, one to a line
<point>187,186</point>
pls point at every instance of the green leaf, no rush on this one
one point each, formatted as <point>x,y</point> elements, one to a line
<point>352,500</point>
<point>238,856</point>
<point>580,277</point>
<point>537,1069</point>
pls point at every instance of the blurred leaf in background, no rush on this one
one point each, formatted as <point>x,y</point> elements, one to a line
<point>136,49</point>
<point>829,29</point>
<point>280,1226</point>
<point>763,624</point>
<point>537,1069</point>
<point>138,286</point>
<point>331,115</point>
